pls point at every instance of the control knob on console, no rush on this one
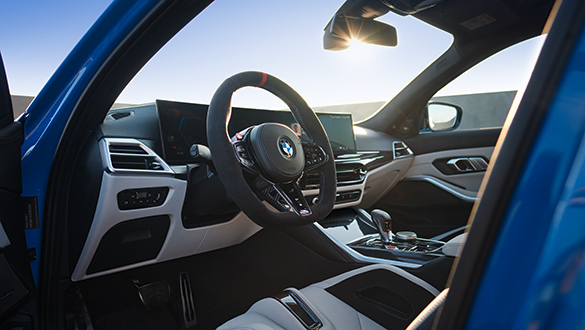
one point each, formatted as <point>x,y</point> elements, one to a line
<point>383,222</point>
<point>406,237</point>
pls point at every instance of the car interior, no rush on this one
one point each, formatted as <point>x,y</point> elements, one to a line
<point>181,215</point>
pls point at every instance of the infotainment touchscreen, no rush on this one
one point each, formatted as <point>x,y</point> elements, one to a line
<point>183,124</point>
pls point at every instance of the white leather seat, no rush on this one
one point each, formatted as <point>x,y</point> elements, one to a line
<point>270,313</point>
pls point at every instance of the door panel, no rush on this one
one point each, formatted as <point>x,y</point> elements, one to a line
<point>439,189</point>
<point>424,208</point>
<point>16,284</point>
<point>466,182</point>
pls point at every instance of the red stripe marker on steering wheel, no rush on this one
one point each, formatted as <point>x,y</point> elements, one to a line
<point>264,77</point>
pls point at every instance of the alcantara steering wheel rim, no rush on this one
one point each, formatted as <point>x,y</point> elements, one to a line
<point>230,164</point>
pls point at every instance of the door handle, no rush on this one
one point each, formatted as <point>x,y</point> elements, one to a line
<point>468,164</point>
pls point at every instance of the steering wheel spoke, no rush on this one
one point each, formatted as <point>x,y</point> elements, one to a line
<point>315,156</point>
<point>293,197</point>
<point>243,152</point>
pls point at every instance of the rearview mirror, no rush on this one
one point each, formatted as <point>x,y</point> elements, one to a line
<point>442,116</point>
<point>341,30</point>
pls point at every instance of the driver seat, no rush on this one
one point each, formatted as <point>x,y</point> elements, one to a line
<point>373,297</point>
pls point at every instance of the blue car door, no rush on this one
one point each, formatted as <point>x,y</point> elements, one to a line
<point>16,284</point>
<point>523,263</point>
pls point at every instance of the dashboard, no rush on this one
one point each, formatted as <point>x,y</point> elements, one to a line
<point>142,199</point>
<point>183,124</point>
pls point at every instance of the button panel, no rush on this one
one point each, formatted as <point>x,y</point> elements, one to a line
<point>243,154</point>
<point>142,198</point>
<point>340,197</point>
<point>314,155</point>
<point>348,196</point>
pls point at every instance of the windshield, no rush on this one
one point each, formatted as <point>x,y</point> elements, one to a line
<point>280,38</point>
<point>285,40</point>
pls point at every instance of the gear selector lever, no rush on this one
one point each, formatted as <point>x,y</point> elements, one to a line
<point>383,222</point>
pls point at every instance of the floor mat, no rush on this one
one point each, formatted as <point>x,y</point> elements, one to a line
<point>137,318</point>
<point>225,282</point>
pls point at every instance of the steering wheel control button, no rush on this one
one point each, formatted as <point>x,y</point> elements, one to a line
<point>142,198</point>
<point>243,155</point>
<point>314,155</point>
<point>293,199</point>
<point>242,152</point>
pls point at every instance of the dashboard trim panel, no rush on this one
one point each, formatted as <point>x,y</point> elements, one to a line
<point>180,242</point>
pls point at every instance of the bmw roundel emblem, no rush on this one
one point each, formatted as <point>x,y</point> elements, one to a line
<point>286,148</point>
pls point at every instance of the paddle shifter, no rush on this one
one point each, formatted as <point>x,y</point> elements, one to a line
<point>383,222</point>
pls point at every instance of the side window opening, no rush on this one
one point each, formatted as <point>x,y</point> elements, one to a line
<point>486,91</point>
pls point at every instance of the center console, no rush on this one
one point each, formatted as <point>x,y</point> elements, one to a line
<point>409,249</point>
<point>368,237</point>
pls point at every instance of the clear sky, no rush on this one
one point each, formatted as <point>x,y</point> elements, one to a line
<point>37,35</point>
<point>283,38</point>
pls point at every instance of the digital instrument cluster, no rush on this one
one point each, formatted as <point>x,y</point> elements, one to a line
<point>183,124</point>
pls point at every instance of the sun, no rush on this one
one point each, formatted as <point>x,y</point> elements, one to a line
<point>358,49</point>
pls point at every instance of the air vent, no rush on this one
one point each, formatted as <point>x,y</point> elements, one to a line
<point>127,149</point>
<point>401,150</point>
<point>350,173</point>
<point>121,114</point>
<point>347,174</point>
<point>348,177</point>
<point>131,155</point>
<point>136,162</point>
<point>311,181</point>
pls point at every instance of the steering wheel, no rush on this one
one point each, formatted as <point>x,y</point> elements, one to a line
<point>264,163</point>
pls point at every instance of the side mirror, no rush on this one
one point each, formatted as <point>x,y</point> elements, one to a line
<point>341,30</point>
<point>441,117</point>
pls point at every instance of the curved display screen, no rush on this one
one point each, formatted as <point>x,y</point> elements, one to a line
<point>183,124</point>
